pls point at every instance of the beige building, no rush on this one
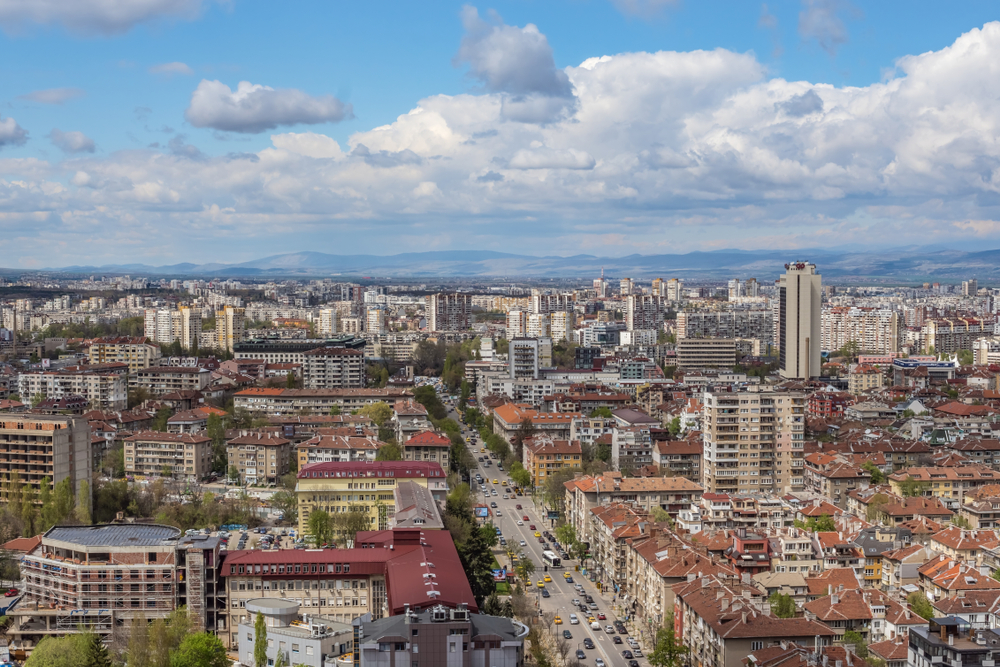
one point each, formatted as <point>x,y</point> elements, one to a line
<point>449,312</point>
<point>428,446</point>
<point>261,458</point>
<point>324,448</point>
<point>229,327</point>
<point>706,352</point>
<point>333,368</point>
<point>138,352</point>
<point>152,453</point>
<point>799,315</point>
<point>159,380</point>
<point>103,390</point>
<point>753,441</point>
<point>863,378</point>
<point>275,401</point>
<point>39,446</point>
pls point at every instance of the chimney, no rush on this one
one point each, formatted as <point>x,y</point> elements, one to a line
<point>834,599</point>
<point>725,604</point>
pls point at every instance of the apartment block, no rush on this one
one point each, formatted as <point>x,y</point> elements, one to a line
<point>297,401</point>
<point>864,377</point>
<point>168,326</point>
<point>428,446</point>
<point>706,353</point>
<point>449,312</point>
<point>523,358</point>
<point>876,331</point>
<point>543,457</point>
<point>631,447</point>
<point>39,446</point>
<point>644,311</point>
<point>328,447</point>
<point>949,335</point>
<point>183,455</point>
<point>754,324</point>
<point>138,352</point>
<point>102,389</point>
<point>753,441</point>
<point>262,458</point>
<point>285,351</point>
<point>230,327</point>
<point>159,380</point>
<point>334,368</point>
<point>102,577</point>
<point>347,486</point>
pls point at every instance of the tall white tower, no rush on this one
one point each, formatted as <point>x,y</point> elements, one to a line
<point>799,306</point>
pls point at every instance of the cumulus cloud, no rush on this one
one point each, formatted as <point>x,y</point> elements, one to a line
<point>665,151</point>
<point>169,69</point>
<point>12,134</point>
<point>255,108</point>
<point>823,21</point>
<point>93,17</point>
<point>518,62</point>
<point>53,95</point>
<point>72,142</point>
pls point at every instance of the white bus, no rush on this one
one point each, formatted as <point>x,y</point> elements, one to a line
<point>551,559</point>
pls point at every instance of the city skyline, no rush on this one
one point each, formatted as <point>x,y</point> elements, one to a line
<point>221,132</point>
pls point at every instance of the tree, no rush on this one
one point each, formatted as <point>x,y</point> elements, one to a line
<point>920,605</point>
<point>603,452</point>
<point>877,476</point>
<point>961,521</point>
<point>259,641</point>
<point>234,475</point>
<point>160,421</point>
<point>285,502</point>
<point>674,427</point>
<point>873,513</point>
<point>782,606</point>
<point>824,524</point>
<point>566,534</point>
<point>379,413</point>
<point>525,568</point>
<point>82,650</point>
<point>860,646</point>
<point>389,452</point>
<point>661,515</point>
<point>910,487</point>
<point>346,525</point>
<point>525,431</point>
<point>667,652</point>
<point>519,475</point>
<point>320,526</point>
<point>83,504</point>
<point>491,606</point>
<point>200,650</point>
<point>334,410</point>
<point>603,411</point>
<point>850,349</point>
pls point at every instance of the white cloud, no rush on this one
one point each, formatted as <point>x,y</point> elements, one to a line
<point>72,142</point>
<point>664,151</point>
<point>94,17</point>
<point>822,20</point>
<point>254,108</point>
<point>53,95</point>
<point>169,69</point>
<point>12,134</point>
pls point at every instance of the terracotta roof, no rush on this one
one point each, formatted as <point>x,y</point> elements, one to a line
<point>428,439</point>
<point>892,649</point>
<point>845,605</point>
<point>918,506</point>
<point>839,576</point>
<point>961,539</point>
<point>23,544</point>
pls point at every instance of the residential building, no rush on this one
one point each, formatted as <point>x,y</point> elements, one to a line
<point>229,327</point>
<point>362,485</point>
<point>753,441</point>
<point>706,353</point>
<point>899,566</point>
<point>409,418</point>
<point>449,312</point>
<point>749,553</point>
<point>517,323</point>
<point>875,331</point>
<point>507,419</point>
<point>383,574</point>
<point>876,541</point>
<point>949,484</point>
<point>440,636</point>
<point>326,324</point>
<point>375,320</point>
<point>297,401</point>
<point>428,446</point>
<point>799,306</point>
<point>328,447</point>
<point>864,377</point>
<point>102,387</point>
<point>285,351</point>
<point>138,352</point>
<point>159,380</point>
<point>679,457</point>
<point>851,610</point>
<point>644,311</point>
<point>313,640</point>
<point>949,335</point>
<point>523,358</point>
<point>951,641</point>
<point>183,455</point>
<point>544,456</point>
<point>334,367</point>
<point>35,447</point>
<point>834,478</point>
<point>261,458</point>
<point>747,324</point>
<point>631,447</point>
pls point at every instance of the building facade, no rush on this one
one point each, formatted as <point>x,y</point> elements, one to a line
<point>154,454</point>
<point>799,308</point>
<point>449,312</point>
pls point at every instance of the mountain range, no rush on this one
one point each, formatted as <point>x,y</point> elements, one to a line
<point>900,265</point>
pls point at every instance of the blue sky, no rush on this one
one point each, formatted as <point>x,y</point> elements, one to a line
<point>796,129</point>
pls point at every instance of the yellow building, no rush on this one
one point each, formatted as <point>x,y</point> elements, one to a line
<point>544,456</point>
<point>344,486</point>
<point>229,327</point>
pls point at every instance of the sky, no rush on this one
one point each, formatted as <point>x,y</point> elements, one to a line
<point>167,131</point>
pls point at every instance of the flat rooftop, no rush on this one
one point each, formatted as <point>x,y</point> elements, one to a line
<point>114,535</point>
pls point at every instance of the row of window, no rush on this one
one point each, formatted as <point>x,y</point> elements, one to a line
<point>289,568</point>
<point>298,584</point>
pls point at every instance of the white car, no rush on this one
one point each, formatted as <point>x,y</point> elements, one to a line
<point>573,619</point>
<point>599,662</point>
<point>523,543</point>
<point>595,626</point>
<point>520,523</point>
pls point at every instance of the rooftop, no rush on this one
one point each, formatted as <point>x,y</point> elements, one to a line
<point>114,535</point>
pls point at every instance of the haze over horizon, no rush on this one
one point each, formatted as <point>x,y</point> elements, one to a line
<point>221,132</point>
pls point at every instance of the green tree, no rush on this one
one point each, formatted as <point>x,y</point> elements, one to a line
<point>519,475</point>
<point>566,535</point>
<point>860,646</point>
<point>285,501</point>
<point>82,650</point>
<point>850,349</point>
<point>782,606</point>
<point>215,428</point>
<point>379,413</point>
<point>260,641</point>
<point>961,521</point>
<point>160,420</point>
<point>389,452</point>
<point>63,499</point>
<point>334,410</point>
<point>911,487</point>
<point>234,475</point>
<point>920,605</point>
<point>200,650</point>
<point>873,513</point>
<point>661,515</point>
<point>320,526</point>
<point>49,518</point>
<point>138,647</point>
<point>877,476</point>
<point>667,651</point>
<point>346,525</point>
<point>674,427</point>
<point>525,568</point>
<point>83,504</point>
<point>603,411</point>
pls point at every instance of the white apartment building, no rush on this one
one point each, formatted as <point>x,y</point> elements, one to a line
<point>104,391</point>
<point>644,311</point>
<point>756,324</point>
<point>229,327</point>
<point>327,322</point>
<point>874,330</point>
<point>167,326</point>
<point>539,326</point>
<point>562,325</point>
<point>137,352</point>
<point>753,441</point>
<point>375,321</point>
<point>449,312</point>
<point>517,323</point>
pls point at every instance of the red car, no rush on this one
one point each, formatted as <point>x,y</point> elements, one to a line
<point>525,517</point>
<point>517,507</point>
<point>11,593</point>
<point>601,617</point>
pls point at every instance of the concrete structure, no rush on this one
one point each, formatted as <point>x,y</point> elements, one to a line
<point>523,358</point>
<point>312,640</point>
<point>408,419</point>
<point>334,368</point>
<point>326,324</point>
<point>229,327</point>
<point>103,389</point>
<point>754,324</point>
<point>159,380</point>
<point>37,446</point>
<point>449,312</point>
<point>441,637</point>
<point>297,401</point>
<point>261,458</point>
<point>799,338</point>
<point>874,330</point>
<point>644,311</point>
<point>366,486</point>
<point>706,352</point>
<point>152,453</point>
<point>864,377</point>
<point>327,448</point>
<point>138,352</point>
<point>284,351</point>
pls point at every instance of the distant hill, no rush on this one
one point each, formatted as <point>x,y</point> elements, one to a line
<point>900,265</point>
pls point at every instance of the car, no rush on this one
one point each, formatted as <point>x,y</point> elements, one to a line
<point>545,593</point>
<point>493,504</point>
<point>616,639</point>
<point>499,513</point>
<point>547,579</point>
<point>537,534</point>
<point>576,603</point>
<point>525,517</point>
<point>567,634</point>
<point>574,619</point>
<point>609,629</point>
<point>541,584</point>
<point>580,655</point>
<point>588,643</point>
<point>602,617</point>
<point>523,543</point>
<point>517,507</point>
<point>636,652</point>
<point>494,492</point>
<point>520,523</point>
<point>531,527</point>
<point>505,496</point>
<point>633,663</point>
<point>541,540</point>
<point>588,598</point>
<point>595,626</point>
<point>593,605</point>
<point>632,642</point>
<point>557,620</point>
<point>11,593</point>
<point>593,620</point>
<point>495,481</point>
<point>568,577</point>
<point>627,654</point>
<point>599,662</point>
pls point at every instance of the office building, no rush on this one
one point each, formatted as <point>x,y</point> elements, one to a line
<point>799,305</point>
<point>449,312</point>
<point>38,446</point>
<point>138,352</point>
<point>706,353</point>
<point>441,636</point>
<point>367,486</point>
<point>334,368</point>
<point>310,641</point>
<point>644,311</point>
<point>229,327</point>
<point>753,441</point>
<point>185,456</point>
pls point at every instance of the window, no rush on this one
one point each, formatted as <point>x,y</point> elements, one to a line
<point>756,646</point>
<point>400,646</point>
<point>295,648</point>
<point>416,632</point>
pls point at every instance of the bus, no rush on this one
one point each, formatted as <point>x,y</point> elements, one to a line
<point>551,559</point>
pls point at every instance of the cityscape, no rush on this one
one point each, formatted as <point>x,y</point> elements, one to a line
<point>586,333</point>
